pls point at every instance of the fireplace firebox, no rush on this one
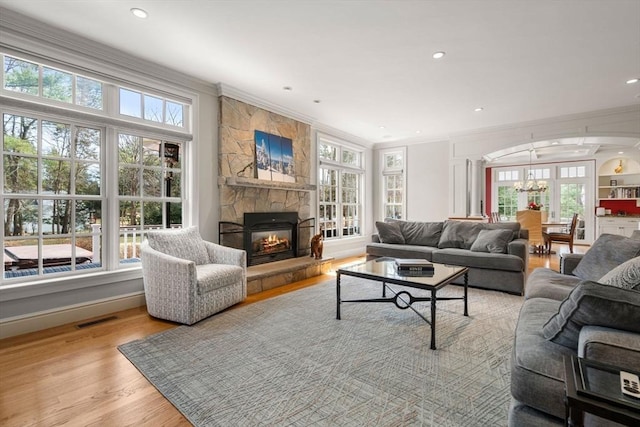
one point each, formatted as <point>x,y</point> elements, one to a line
<point>270,236</point>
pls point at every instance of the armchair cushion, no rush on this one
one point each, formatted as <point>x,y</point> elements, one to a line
<point>593,304</point>
<point>185,243</point>
<point>215,276</point>
<point>606,253</point>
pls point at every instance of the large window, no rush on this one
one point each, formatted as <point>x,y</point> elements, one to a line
<point>52,192</point>
<point>65,170</point>
<point>393,183</point>
<point>339,189</point>
<point>569,191</point>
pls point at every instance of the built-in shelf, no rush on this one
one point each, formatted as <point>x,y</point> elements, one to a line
<point>261,183</point>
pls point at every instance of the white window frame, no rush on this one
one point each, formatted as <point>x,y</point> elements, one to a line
<point>385,172</point>
<point>111,123</point>
<point>354,227</point>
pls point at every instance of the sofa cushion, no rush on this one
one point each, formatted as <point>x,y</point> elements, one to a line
<point>459,234</point>
<point>494,241</point>
<point>421,233</point>
<point>399,251</point>
<point>389,232</point>
<point>184,243</point>
<point>626,275</point>
<point>594,304</point>
<point>537,365</point>
<point>546,283</point>
<point>482,260</point>
<point>514,226</point>
<point>606,253</point>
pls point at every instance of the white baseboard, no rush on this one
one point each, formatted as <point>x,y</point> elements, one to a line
<point>48,319</point>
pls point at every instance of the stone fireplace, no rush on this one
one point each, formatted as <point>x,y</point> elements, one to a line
<point>244,197</point>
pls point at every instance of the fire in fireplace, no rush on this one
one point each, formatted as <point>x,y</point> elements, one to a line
<point>264,243</point>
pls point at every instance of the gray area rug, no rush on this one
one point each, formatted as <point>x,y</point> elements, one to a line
<point>287,361</point>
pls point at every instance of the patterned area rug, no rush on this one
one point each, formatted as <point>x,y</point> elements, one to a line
<point>287,361</point>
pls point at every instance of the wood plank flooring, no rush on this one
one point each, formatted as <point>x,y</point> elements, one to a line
<point>77,377</point>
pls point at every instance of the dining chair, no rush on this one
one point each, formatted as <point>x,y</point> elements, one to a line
<point>564,236</point>
<point>495,217</point>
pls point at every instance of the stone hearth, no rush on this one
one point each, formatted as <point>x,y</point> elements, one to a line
<point>279,273</point>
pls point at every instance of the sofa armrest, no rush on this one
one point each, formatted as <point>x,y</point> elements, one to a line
<point>612,346</point>
<point>568,262</point>
<point>520,248</point>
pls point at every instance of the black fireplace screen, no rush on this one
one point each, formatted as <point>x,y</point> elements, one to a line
<point>269,236</point>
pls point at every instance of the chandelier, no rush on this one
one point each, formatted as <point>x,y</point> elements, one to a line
<point>531,185</point>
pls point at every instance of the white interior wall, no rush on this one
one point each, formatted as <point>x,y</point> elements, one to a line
<point>428,181</point>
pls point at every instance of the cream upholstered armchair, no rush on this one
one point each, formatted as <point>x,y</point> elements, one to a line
<point>187,278</point>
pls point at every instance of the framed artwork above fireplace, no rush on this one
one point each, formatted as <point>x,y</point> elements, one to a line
<point>274,157</point>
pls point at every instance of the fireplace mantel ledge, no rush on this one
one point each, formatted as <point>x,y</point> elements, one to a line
<point>261,183</point>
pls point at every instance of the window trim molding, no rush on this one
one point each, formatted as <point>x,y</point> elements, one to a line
<point>342,167</point>
<point>386,172</point>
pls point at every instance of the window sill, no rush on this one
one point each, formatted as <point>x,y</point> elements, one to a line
<point>44,286</point>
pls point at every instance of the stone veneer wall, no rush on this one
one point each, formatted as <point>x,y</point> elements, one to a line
<point>237,123</point>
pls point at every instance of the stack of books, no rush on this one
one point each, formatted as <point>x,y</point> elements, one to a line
<point>414,267</point>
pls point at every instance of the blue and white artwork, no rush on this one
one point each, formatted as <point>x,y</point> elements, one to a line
<point>274,157</point>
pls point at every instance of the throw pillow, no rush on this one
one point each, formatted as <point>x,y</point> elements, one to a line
<point>459,234</point>
<point>389,232</point>
<point>606,253</point>
<point>494,241</point>
<point>185,243</point>
<point>626,275</point>
<point>595,304</point>
<point>420,233</point>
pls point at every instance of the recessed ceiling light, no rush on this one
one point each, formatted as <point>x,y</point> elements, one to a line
<point>620,152</point>
<point>632,81</point>
<point>287,88</point>
<point>555,143</point>
<point>477,110</point>
<point>418,131</point>
<point>382,127</point>
<point>142,14</point>
<point>438,55</point>
<point>317,101</point>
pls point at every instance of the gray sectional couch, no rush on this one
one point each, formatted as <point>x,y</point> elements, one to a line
<point>591,308</point>
<point>497,254</point>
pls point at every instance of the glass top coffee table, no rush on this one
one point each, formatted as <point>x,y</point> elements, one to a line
<point>384,270</point>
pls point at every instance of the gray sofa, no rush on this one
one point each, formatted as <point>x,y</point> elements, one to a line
<point>497,254</point>
<point>591,308</point>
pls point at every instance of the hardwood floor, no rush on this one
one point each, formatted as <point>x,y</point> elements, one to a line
<point>76,376</point>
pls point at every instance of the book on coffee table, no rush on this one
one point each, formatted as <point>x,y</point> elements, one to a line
<point>405,265</point>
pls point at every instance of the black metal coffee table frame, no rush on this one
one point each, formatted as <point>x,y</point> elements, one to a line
<point>403,299</point>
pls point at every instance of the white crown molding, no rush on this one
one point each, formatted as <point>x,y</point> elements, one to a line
<point>550,120</point>
<point>23,34</point>
<point>240,95</point>
<point>337,133</point>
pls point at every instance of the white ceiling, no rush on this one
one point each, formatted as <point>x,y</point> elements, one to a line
<point>370,62</point>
